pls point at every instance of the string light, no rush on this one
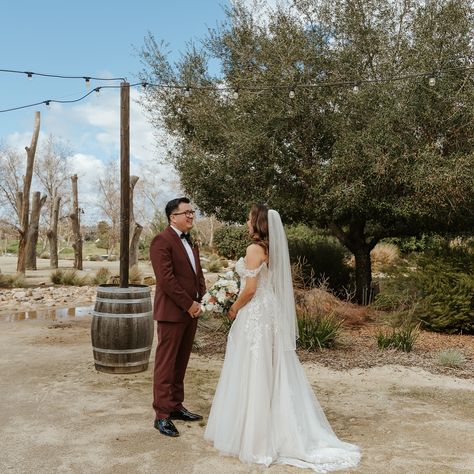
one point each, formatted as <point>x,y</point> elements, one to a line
<point>29,75</point>
<point>97,91</point>
<point>48,104</point>
<point>187,88</point>
<point>88,81</point>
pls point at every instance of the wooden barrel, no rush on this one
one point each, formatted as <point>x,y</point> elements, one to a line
<point>122,329</point>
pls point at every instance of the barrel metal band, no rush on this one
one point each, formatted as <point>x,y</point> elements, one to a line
<point>130,289</point>
<point>126,301</point>
<point>121,315</point>
<point>118,364</point>
<point>121,351</point>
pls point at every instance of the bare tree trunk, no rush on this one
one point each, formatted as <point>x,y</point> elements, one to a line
<point>76,226</point>
<point>24,198</point>
<point>134,245</point>
<point>53,234</point>
<point>135,228</point>
<point>33,230</point>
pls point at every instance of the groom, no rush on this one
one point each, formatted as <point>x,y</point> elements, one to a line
<point>179,288</point>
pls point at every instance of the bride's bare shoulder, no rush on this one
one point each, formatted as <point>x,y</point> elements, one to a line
<point>255,255</point>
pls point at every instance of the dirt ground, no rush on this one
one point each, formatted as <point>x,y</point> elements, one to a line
<point>58,414</point>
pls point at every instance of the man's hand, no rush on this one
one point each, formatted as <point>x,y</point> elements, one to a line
<point>195,310</point>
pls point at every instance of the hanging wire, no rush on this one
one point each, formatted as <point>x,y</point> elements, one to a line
<point>188,88</point>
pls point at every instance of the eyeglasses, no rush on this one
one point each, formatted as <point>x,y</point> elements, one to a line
<point>188,214</point>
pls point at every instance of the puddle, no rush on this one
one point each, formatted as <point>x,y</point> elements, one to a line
<point>56,314</point>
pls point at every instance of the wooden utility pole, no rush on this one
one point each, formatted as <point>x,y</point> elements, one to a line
<point>76,225</point>
<point>124,182</point>
<point>23,198</point>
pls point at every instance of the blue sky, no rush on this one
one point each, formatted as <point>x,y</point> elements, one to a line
<point>88,38</point>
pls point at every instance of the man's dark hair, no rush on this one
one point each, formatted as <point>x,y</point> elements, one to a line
<point>173,205</point>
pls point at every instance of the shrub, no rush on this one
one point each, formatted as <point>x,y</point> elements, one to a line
<point>231,241</point>
<point>214,264</point>
<point>94,258</point>
<point>11,281</point>
<point>420,243</point>
<point>316,332</point>
<point>101,276</point>
<point>68,277</point>
<point>323,256</point>
<point>451,358</point>
<point>45,255</point>
<point>447,299</point>
<point>402,338</point>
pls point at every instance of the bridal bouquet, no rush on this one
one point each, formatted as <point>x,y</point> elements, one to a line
<point>222,294</point>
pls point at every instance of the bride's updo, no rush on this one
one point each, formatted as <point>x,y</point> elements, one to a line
<point>259,224</point>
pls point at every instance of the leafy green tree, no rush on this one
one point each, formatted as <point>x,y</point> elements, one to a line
<point>307,113</point>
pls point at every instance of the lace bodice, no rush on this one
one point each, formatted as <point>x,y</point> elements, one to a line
<point>243,272</point>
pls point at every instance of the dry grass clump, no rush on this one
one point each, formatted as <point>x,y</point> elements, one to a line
<point>381,256</point>
<point>68,278</point>
<point>101,276</point>
<point>384,255</point>
<point>321,301</point>
<point>12,281</point>
<point>135,275</point>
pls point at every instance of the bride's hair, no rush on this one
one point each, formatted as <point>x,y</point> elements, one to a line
<point>259,223</point>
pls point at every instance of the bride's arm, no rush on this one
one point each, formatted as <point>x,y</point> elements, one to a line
<point>253,258</point>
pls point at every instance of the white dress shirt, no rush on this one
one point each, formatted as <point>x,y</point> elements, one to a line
<point>187,247</point>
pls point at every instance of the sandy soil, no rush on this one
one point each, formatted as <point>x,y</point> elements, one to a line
<point>58,414</point>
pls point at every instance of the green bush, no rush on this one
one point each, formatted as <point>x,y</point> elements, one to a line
<point>317,332</point>
<point>420,243</point>
<point>447,299</point>
<point>323,256</point>
<point>231,241</point>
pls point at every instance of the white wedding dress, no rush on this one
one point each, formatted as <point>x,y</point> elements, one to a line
<point>264,410</point>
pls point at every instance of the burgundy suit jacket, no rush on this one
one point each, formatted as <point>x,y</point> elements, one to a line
<point>177,285</point>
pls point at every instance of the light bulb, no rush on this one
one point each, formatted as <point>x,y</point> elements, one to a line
<point>355,89</point>
<point>97,91</point>
<point>88,81</point>
<point>48,104</point>
<point>236,94</point>
<point>144,84</point>
<point>187,92</point>
<point>30,75</point>
<point>291,95</point>
<point>432,81</point>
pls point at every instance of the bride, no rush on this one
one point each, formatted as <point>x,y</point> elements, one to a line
<point>264,410</point>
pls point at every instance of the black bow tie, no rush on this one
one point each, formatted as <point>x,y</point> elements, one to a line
<point>187,237</point>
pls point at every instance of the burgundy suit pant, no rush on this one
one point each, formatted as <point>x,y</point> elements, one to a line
<point>175,341</point>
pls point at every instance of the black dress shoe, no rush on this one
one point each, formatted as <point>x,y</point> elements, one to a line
<point>185,415</point>
<point>166,426</point>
